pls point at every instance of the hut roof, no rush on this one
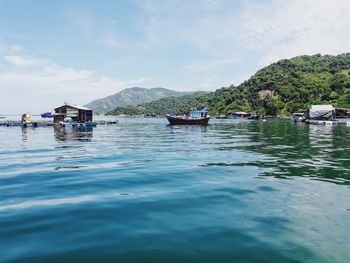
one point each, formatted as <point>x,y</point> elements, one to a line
<point>322,107</point>
<point>78,107</point>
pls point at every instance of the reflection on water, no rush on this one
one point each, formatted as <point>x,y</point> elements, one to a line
<point>73,133</point>
<point>26,134</point>
<point>294,149</point>
<point>188,128</point>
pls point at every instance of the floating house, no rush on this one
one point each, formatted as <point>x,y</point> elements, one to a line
<point>78,114</point>
<point>320,112</point>
<point>324,115</point>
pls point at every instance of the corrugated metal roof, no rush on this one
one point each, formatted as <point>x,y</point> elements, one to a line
<point>78,107</point>
<point>322,107</point>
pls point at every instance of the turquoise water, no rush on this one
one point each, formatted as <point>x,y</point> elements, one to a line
<point>141,191</point>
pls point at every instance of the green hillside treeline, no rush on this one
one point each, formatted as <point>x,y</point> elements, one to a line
<point>281,88</point>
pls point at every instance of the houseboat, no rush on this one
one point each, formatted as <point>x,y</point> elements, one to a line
<point>73,115</point>
<point>194,117</point>
<point>327,115</point>
<point>320,112</point>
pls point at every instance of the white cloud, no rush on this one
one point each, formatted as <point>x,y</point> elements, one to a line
<point>283,29</point>
<point>110,41</point>
<point>207,25</point>
<point>34,78</point>
<point>272,29</point>
<point>20,61</point>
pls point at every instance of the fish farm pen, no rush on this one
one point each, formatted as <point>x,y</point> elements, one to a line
<point>50,123</point>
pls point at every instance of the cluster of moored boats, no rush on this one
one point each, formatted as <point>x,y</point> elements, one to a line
<point>201,117</point>
<point>70,116</point>
<point>317,114</point>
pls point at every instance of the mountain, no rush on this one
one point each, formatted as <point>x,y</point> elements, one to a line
<point>131,96</point>
<point>160,106</point>
<point>282,88</point>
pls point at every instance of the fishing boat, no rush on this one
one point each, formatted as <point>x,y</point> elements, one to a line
<point>194,117</point>
<point>47,115</point>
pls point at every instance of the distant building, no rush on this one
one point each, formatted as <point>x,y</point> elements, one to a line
<point>77,113</point>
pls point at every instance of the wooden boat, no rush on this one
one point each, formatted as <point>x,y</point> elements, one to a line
<point>195,117</point>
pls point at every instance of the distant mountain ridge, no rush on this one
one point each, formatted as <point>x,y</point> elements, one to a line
<point>131,96</point>
<point>159,107</point>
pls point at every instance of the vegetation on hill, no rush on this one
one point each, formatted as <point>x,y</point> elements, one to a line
<point>131,96</point>
<point>161,106</point>
<point>281,88</point>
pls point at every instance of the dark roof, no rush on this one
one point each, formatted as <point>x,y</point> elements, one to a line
<point>74,107</point>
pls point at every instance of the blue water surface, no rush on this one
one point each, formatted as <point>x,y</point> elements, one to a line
<point>142,191</point>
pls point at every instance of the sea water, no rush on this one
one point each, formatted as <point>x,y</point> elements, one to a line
<point>142,191</point>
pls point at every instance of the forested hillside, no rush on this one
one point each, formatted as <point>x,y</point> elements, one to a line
<point>131,96</point>
<point>178,104</point>
<point>281,88</point>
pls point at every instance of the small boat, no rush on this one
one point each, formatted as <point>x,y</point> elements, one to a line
<point>253,117</point>
<point>67,122</point>
<point>240,115</point>
<point>89,124</point>
<point>298,116</point>
<point>47,115</point>
<point>195,117</point>
<point>222,117</point>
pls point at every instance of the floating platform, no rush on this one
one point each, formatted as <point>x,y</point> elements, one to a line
<point>344,122</point>
<point>50,123</point>
<point>19,123</point>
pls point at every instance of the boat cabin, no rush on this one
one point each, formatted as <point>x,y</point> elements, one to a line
<point>78,114</point>
<point>240,114</point>
<point>198,113</point>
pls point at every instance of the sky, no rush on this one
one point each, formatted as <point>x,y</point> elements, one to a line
<point>53,52</point>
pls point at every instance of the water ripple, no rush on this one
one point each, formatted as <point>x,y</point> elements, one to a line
<point>142,191</point>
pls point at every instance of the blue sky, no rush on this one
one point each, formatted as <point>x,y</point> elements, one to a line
<point>77,51</point>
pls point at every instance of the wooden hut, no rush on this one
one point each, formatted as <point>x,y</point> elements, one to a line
<point>78,114</point>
